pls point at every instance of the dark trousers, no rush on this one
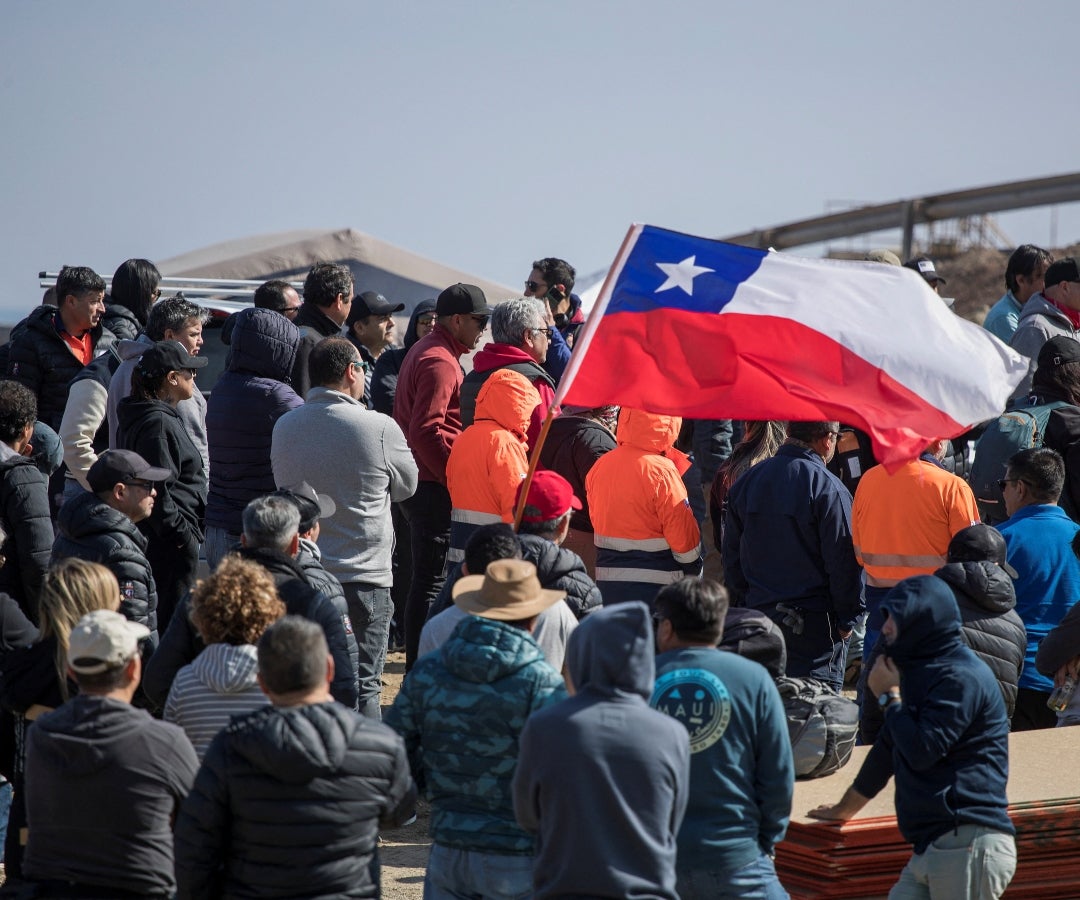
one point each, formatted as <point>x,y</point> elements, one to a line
<point>1032,713</point>
<point>174,571</point>
<point>401,567</point>
<point>428,512</point>
<point>816,652</point>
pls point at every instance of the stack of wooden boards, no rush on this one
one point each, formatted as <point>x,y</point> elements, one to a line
<point>862,859</point>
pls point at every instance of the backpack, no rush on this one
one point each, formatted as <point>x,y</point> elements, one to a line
<point>1020,428</point>
<point>822,725</point>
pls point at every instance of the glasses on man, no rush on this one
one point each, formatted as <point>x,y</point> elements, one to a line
<point>532,286</point>
<point>290,312</point>
<point>1004,481</point>
<point>547,332</point>
<point>481,321</point>
<point>426,320</point>
<point>147,486</point>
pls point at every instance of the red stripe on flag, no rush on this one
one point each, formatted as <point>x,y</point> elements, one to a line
<point>685,363</point>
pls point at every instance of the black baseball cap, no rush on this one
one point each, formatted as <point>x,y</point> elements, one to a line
<point>169,356</point>
<point>924,265</point>
<point>115,466</point>
<point>370,303</point>
<point>979,543</point>
<point>1059,350</point>
<point>462,299</point>
<point>1062,270</point>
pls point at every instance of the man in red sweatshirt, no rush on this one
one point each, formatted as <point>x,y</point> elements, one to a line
<point>427,406</point>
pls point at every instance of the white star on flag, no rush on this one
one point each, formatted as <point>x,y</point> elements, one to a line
<point>681,275</point>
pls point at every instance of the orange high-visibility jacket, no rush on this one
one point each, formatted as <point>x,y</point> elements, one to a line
<point>901,524</point>
<point>490,457</point>
<point>644,529</point>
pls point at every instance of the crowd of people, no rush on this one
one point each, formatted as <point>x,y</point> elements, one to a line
<point>571,710</point>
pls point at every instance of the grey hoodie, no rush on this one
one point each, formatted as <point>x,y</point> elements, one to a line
<point>102,782</point>
<point>221,683</point>
<point>192,412</point>
<point>630,769</point>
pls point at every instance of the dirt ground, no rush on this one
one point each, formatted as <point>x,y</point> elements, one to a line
<point>403,851</point>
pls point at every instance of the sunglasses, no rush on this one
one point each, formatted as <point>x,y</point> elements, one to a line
<point>545,331</point>
<point>532,285</point>
<point>482,321</point>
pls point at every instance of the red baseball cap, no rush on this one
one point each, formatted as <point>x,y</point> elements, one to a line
<point>551,494</point>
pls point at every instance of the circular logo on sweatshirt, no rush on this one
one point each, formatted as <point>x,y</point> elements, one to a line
<point>699,700</point>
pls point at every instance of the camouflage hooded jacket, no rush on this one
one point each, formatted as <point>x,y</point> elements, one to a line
<point>461,711</point>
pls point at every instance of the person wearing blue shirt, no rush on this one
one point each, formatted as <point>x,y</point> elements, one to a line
<point>1024,276</point>
<point>1038,535</point>
<point>741,770</point>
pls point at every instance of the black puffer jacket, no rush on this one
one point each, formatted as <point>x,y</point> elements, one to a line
<point>991,626</point>
<point>24,511</point>
<point>88,528</point>
<point>181,642</point>
<point>557,569</point>
<point>154,430</point>
<point>314,325</point>
<point>309,559</point>
<point>331,777</point>
<point>39,359</point>
<point>384,378</point>
<point>121,321</point>
<point>573,446</point>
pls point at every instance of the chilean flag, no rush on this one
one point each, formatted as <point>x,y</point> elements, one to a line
<point>698,328</point>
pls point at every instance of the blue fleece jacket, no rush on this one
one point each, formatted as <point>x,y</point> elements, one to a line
<point>948,741</point>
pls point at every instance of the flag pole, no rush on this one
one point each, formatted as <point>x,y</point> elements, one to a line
<point>571,370</point>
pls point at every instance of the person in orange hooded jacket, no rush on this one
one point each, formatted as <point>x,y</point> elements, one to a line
<point>645,533</point>
<point>490,458</point>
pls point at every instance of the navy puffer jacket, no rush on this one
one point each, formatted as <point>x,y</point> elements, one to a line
<point>251,395</point>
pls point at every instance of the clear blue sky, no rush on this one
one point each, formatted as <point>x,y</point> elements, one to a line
<point>485,134</point>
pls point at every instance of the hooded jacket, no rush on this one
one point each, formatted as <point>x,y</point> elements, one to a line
<point>495,357</point>
<point>490,458</point>
<point>88,528</point>
<point>1039,321</point>
<point>388,365</point>
<point>986,597</point>
<point>218,686</point>
<point>193,411</point>
<point>24,512</point>
<point>181,642</point>
<point>289,802</point>
<point>631,769</point>
<point>948,741</point>
<point>644,529</point>
<point>249,397</point>
<point>129,773</point>
<point>39,359</point>
<point>154,430</point>
<point>461,711</point>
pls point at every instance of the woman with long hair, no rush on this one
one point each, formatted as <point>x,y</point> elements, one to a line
<point>760,441</point>
<point>134,289</point>
<point>35,677</point>
<point>230,609</point>
<point>151,426</point>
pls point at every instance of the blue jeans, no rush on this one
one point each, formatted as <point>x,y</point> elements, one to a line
<point>972,863</point>
<point>370,609</point>
<point>217,543</point>
<point>454,874</point>
<point>754,881</point>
